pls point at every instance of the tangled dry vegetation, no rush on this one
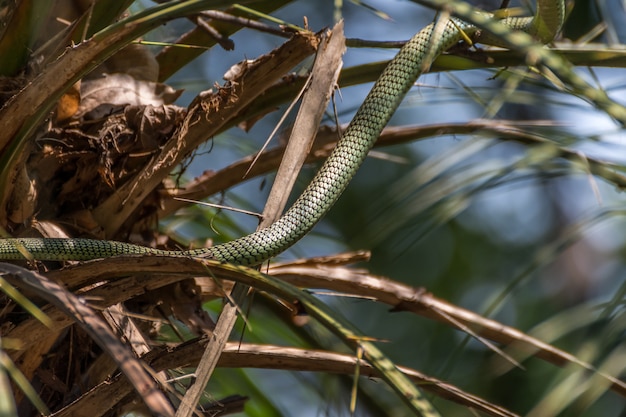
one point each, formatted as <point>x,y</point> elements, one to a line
<point>89,152</point>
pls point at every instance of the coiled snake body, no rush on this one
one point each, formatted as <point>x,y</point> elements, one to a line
<point>335,173</point>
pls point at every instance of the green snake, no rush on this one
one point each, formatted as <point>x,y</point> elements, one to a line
<point>336,172</point>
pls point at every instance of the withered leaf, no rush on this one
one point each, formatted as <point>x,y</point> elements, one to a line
<point>100,95</point>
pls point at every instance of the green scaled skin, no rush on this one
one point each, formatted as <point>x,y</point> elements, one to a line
<point>334,175</point>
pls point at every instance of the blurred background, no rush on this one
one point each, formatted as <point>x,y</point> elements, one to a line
<point>507,229</point>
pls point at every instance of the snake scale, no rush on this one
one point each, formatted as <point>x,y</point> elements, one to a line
<point>336,172</point>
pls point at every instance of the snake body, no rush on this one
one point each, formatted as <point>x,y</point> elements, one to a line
<point>336,172</point>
